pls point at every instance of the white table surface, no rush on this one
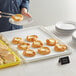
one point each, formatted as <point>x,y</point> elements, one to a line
<point>48,67</point>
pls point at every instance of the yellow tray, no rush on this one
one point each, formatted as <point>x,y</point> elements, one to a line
<point>18,60</point>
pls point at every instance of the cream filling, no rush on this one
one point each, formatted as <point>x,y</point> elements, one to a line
<point>30,37</point>
<point>17,39</point>
<point>29,52</point>
<point>23,46</point>
<point>52,41</point>
<point>42,49</point>
<point>17,17</point>
<point>37,43</point>
<point>59,46</point>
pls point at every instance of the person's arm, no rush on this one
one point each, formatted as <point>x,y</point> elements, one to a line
<point>25,4</point>
<point>25,7</point>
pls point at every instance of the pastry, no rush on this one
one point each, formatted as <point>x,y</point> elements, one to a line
<point>51,42</point>
<point>1,61</point>
<point>3,46</point>
<point>60,48</point>
<point>31,38</point>
<point>44,50</point>
<point>4,52</point>
<point>17,17</point>
<point>10,58</point>
<point>29,53</point>
<point>24,46</point>
<point>37,44</point>
<point>17,40</point>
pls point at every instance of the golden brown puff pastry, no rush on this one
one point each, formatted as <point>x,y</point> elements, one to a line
<point>37,44</point>
<point>29,53</point>
<point>17,17</point>
<point>44,50</point>
<point>60,48</point>
<point>17,40</point>
<point>31,38</point>
<point>24,46</point>
<point>51,42</point>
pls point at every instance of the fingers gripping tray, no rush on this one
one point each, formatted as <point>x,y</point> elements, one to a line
<point>8,56</point>
<point>43,35</point>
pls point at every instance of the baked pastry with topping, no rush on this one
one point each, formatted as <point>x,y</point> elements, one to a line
<point>44,50</point>
<point>1,61</point>
<point>37,44</point>
<point>31,38</point>
<point>17,40</point>
<point>10,58</point>
<point>29,53</point>
<point>3,46</point>
<point>17,17</point>
<point>4,52</point>
<point>51,42</point>
<point>24,46</point>
<point>60,48</point>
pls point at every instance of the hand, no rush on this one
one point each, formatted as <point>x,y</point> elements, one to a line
<point>25,13</point>
<point>0,15</point>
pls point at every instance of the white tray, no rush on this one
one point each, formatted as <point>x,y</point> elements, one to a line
<point>42,34</point>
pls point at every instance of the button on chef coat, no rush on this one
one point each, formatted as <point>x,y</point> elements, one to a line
<point>11,6</point>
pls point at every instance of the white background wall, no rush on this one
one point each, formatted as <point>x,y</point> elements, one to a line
<point>72,10</point>
<point>48,12</point>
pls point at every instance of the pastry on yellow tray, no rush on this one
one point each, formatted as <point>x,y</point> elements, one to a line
<point>29,53</point>
<point>31,38</point>
<point>17,17</point>
<point>4,52</point>
<point>3,46</point>
<point>9,58</point>
<point>17,40</point>
<point>44,50</point>
<point>51,42</point>
<point>24,46</point>
<point>60,48</point>
<point>37,44</point>
<point>1,61</point>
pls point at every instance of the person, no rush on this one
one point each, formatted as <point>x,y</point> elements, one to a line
<point>14,7</point>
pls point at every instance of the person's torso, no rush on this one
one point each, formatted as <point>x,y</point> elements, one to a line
<point>12,6</point>
<point>9,6</point>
